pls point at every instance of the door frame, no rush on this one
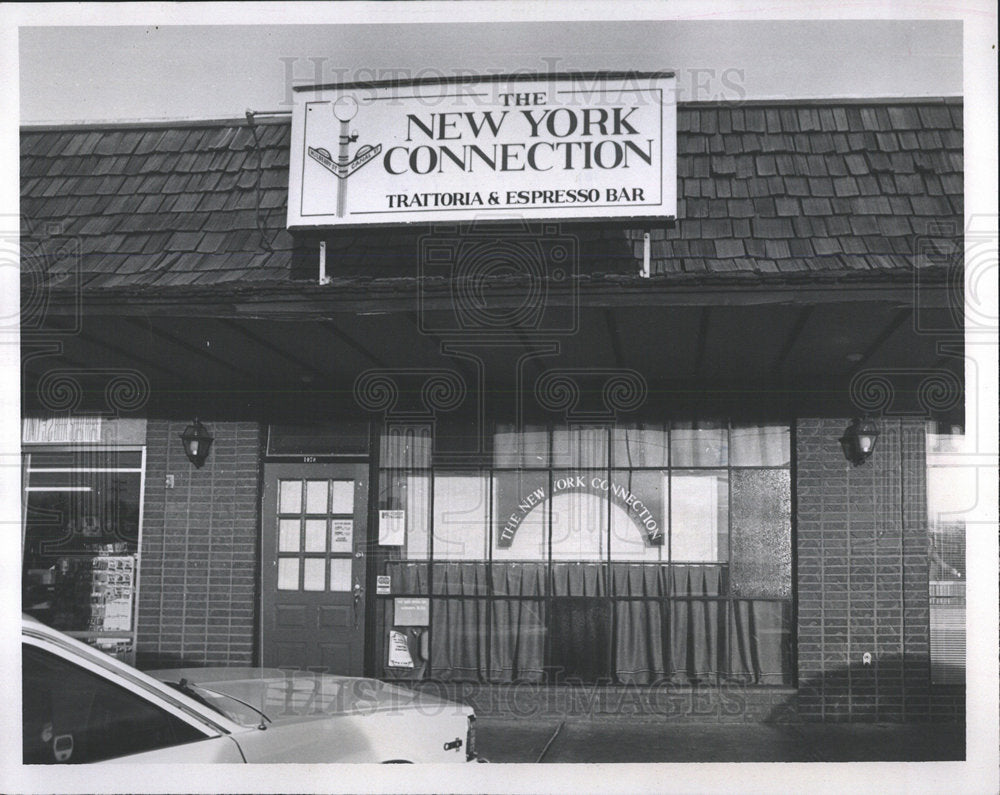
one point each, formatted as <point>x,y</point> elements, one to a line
<point>265,555</point>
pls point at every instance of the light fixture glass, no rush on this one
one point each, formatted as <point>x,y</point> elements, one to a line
<point>197,442</point>
<point>858,441</point>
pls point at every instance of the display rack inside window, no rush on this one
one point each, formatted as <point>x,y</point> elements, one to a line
<point>82,509</point>
<point>630,554</point>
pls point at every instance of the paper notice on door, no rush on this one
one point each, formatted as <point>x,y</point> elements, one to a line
<point>391,528</point>
<point>341,535</point>
<point>399,651</point>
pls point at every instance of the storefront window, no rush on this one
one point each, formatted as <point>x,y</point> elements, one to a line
<point>81,536</point>
<point>950,494</point>
<point>630,554</point>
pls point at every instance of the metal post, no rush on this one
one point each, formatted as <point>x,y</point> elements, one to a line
<point>323,278</point>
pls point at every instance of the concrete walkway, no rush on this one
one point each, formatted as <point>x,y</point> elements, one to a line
<point>505,740</point>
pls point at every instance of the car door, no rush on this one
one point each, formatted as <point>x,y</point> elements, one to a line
<point>73,713</point>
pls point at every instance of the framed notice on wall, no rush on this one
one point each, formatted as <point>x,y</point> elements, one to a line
<point>573,146</point>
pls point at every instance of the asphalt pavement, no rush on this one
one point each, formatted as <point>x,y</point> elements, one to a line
<point>507,740</point>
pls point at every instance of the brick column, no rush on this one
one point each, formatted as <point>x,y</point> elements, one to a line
<point>862,575</point>
<point>198,558</point>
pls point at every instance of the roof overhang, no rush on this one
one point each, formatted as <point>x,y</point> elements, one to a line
<point>803,345</point>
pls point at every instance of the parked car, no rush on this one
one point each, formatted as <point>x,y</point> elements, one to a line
<point>81,705</point>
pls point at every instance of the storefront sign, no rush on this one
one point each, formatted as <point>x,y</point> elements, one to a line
<point>411,611</point>
<point>383,584</point>
<point>391,528</point>
<point>566,147</point>
<point>514,507</point>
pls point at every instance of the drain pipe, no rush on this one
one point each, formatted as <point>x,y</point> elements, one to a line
<point>323,278</point>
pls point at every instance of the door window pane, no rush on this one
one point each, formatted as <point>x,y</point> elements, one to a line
<point>341,535</point>
<point>314,575</point>
<point>288,535</point>
<point>343,497</point>
<point>316,495</point>
<point>699,507</point>
<point>290,496</point>
<point>288,574</point>
<point>340,574</point>
<point>315,535</point>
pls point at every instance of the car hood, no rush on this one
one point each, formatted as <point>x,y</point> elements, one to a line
<point>289,696</point>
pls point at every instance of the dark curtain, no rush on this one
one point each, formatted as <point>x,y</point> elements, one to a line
<point>671,627</point>
<point>680,639</point>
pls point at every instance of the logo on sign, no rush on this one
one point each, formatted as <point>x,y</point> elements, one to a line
<point>340,168</point>
<point>516,505</point>
<point>344,109</point>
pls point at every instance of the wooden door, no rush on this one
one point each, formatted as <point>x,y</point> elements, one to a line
<point>313,574</point>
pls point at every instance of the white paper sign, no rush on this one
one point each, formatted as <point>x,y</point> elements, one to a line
<point>383,584</point>
<point>545,147</point>
<point>341,535</point>
<point>399,651</point>
<point>391,528</point>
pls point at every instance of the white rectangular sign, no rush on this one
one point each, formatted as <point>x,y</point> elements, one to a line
<point>557,147</point>
<point>392,528</point>
<point>341,535</point>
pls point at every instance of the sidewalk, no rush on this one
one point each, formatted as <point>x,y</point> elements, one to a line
<point>505,740</point>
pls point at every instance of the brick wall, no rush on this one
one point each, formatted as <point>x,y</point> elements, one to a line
<point>198,569</point>
<point>862,578</point>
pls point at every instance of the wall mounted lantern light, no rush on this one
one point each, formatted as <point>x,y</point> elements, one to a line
<point>859,440</point>
<point>197,442</point>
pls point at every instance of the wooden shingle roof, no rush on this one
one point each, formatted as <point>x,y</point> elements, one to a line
<point>766,190</point>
